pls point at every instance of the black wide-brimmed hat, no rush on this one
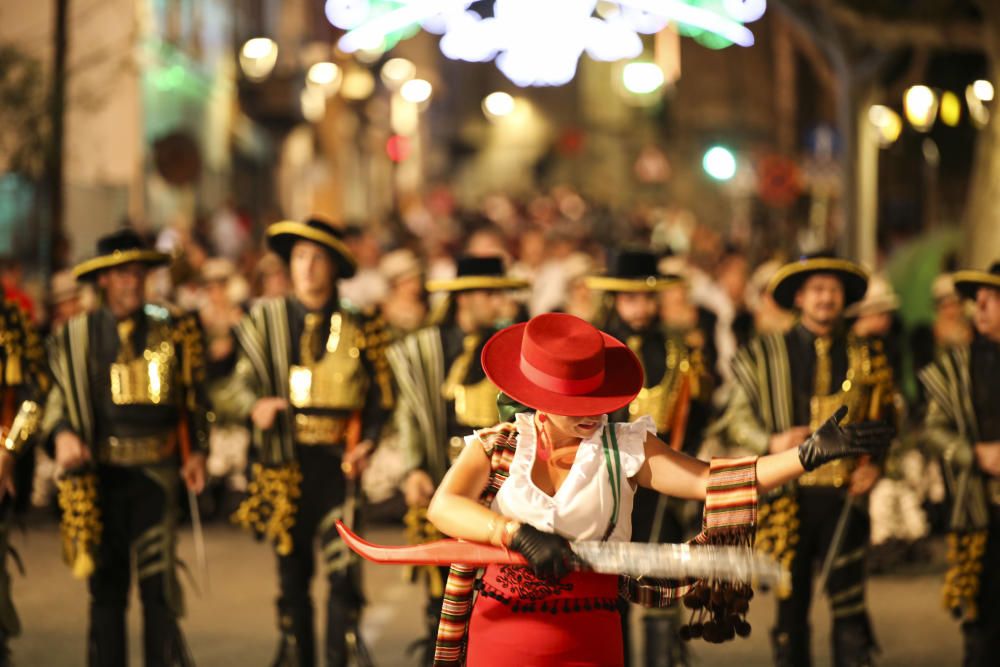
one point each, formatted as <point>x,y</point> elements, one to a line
<point>121,247</point>
<point>632,271</point>
<point>789,278</point>
<point>477,273</point>
<point>282,236</point>
<point>968,282</point>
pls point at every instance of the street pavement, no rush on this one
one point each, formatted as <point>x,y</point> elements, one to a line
<point>232,622</point>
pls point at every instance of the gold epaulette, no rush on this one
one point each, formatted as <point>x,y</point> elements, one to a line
<point>375,338</point>
<point>187,335</point>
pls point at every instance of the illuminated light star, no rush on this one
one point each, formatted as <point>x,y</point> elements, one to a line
<point>539,44</point>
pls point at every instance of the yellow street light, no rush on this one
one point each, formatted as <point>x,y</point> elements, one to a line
<point>920,104</point>
<point>358,84</point>
<point>416,91</point>
<point>983,90</point>
<point>326,76</point>
<point>887,122</point>
<point>312,102</point>
<point>978,112</point>
<point>642,78</point>
<point>951,109</point>
<point>498,104</point>
<point>258,57</point>
<point>397,71</point>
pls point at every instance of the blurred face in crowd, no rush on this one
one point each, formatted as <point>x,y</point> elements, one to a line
<point>949,307</point>
<point>987,317</point>
<point>636,309</point>
<point>676,309</point>
<point>66,309</point>
<point>124,288</point>
<point>732,277</point>
<point>215,294</point>
<point>480,309</point>
<point>313,273</point>
<point>532,248</point>
<point>874,324</point>
<point>274,283</point>
<point>820,301</point>
<point>410,287</point>
<point>486,243</point>
<point>365,248</point>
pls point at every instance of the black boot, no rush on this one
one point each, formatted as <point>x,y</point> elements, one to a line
<point>663,646</point>
<point>106,644</point>
<point>344,645</point>
<point>163,643</point>
<point>791,649</point>
<point>298,641</point>
<point>852,643</point>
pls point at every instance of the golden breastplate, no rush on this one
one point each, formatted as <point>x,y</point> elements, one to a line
<point>476,404</point>
<point>337,381</point>
<point>147,379</point>
<point>865,391</point>
<point>660,400</point>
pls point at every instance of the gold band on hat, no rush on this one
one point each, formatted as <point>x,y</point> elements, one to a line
<point>476,283</point>
<point>971,278</point>
<point>815,265</point>
<point>613,284</point>
<point>301,229</point>
<point>119,257</point>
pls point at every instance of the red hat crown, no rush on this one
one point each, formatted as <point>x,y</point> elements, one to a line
<point>562,353</point>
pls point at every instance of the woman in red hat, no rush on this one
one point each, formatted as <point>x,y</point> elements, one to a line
<point>560,473</point>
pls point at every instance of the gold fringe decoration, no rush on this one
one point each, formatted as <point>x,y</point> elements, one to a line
<point>965,565</point>
<point>778,533</point>
<point>81,526</point>
<point>269,510</point>
<point>420,531</point>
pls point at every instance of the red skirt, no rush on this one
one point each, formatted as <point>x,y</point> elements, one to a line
<point>519,619</point>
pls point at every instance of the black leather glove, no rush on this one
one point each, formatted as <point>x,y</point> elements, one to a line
<point>830,441</point>
<point>549,555</point>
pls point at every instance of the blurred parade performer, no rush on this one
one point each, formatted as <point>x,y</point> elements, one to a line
<point>787,384</point>
<point>963,426</point>
<point>24,381</point>
<point>443,392</point>
<point>674,380</point>
<point>894,506</point>
<point>312,378</point>
<point>125,414</point>
<point>405,306</point>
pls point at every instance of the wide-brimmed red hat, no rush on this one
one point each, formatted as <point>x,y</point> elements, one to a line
<point>562,365</point>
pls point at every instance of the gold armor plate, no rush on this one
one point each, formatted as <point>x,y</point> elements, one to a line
<point>476,404</point>
<point>660,401</point>
<point>337,381</point>
<point>865,390</point>
<point>146,380</point>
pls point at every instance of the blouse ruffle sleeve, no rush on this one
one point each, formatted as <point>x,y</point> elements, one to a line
<point>632,443</point>
<point>474,439</point>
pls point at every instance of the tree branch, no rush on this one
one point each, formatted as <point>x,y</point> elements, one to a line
<point>962,35</point>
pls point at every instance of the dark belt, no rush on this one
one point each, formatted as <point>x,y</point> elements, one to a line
<point>137,450</point>
<point>320,429</point>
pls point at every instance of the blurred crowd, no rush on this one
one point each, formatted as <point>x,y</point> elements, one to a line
<point>554,241</point>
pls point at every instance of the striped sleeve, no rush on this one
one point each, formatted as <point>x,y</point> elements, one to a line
<point>730,519</point>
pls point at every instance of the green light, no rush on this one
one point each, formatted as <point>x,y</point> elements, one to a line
<point>719,163</point>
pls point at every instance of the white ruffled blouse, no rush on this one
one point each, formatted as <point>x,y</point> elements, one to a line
<point>582,507</point>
